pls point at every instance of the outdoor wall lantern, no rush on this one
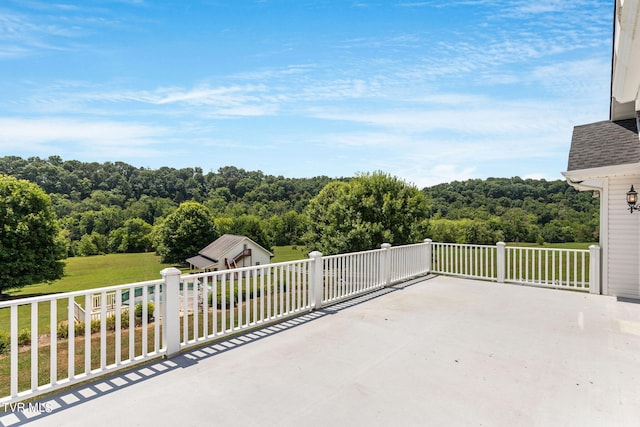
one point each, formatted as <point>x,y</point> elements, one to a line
<point>632,199</point>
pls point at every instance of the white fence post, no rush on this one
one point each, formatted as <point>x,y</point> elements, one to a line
<point>429,254</point>
<point>386,263</point>
<point>315,280</point>
<point>171,315</point>
<point>594,269</point>
<point>500,262</point>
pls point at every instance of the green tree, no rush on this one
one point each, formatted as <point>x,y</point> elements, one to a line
<point>363,213</point>
<point>252,227</point>
<point>184,232</point>
<point>133,236</point>
<point>287,229</point>
<point>30,250</point>
<point>92,244</point>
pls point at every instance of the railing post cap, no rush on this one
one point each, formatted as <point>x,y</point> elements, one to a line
<point>315,254</point>
<point>428,241</point>
<point>501,244</point>
<point>385,245</point>
<point>170,271</point>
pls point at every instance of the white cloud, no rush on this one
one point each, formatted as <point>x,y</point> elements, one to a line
<point>19,134</point>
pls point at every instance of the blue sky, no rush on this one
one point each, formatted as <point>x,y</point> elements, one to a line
<point>430,91</point>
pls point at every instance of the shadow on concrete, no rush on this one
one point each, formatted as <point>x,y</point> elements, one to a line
<point>24,412</point>
<point>629,300</point>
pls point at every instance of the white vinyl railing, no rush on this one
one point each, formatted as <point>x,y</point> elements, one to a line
<point>558,268</point>
<point>472,261</point>
<point>352,274</point>
<point>56,341</point>
<point>408,261</point>
<point>216,304</point>
<point>50,348</point>
<point>572,269</point>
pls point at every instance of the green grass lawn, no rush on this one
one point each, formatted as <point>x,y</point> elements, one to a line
<point>98,271</point>
<point>117,269</point>
<point>82,273</point>
<point>569,245</point>
<point>289,253</point>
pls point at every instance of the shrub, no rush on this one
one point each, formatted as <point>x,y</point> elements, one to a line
<point>24,337</point>
<point>138,312</point>
<point>5,343</point>
<point>78,327</point>
<point>124,321</point>
<point>111,323</point>
<point>63,330</point>
<point>95,326</point>
<point>228,299</point>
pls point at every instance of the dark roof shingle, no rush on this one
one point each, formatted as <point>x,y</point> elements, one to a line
<point>605,143</point>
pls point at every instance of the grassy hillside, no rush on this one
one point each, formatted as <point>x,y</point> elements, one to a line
<point>106,270</point>
<point>116,269</point>
<point>568,245</point>
<point>98,271</point>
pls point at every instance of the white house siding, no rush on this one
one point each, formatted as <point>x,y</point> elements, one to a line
<point>258,255</point>
<point>623,240</point>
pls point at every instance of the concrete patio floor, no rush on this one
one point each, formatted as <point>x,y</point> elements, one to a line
<point>436,352</point>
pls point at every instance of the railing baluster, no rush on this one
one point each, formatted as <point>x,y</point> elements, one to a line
<point>214,305</point>
<point>279,285</point>
<point>71,341</point>
<point>87,334</point>
<point>223,303</point>
<point>132,323</point>
<point>583,271</point>
<point>118,328</point>
<point>145,317</point>
<point>34,346</point>
<point>256,314</point>
<point>288,289</point>
<point>205,307</point>
<point>240,300</point>
<point>53,342</point>
<point>232,301</point>
<point>103,332</point>
<point>14,350</point>
<point>269,294</point>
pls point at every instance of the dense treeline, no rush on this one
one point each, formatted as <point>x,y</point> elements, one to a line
<point>116,207</point>
<point>112,207</point>
<point>230,190</point>
<point>512,210</point>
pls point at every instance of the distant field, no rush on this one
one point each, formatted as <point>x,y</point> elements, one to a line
<point>571,245</point>
<point>98,271</point>
<point>289,253</point>
<point>116,269</point>
<point>108,270</point>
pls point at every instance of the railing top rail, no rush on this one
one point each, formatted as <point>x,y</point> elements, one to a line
<point>49,297</point>
<point>466,245</point>
<point>410,245</point>
<point>352,253</point>
<point>244,269</point>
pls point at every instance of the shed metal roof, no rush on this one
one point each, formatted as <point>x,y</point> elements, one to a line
<point>218,250</point>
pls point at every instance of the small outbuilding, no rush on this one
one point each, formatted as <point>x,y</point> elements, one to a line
<point>230,251</point>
